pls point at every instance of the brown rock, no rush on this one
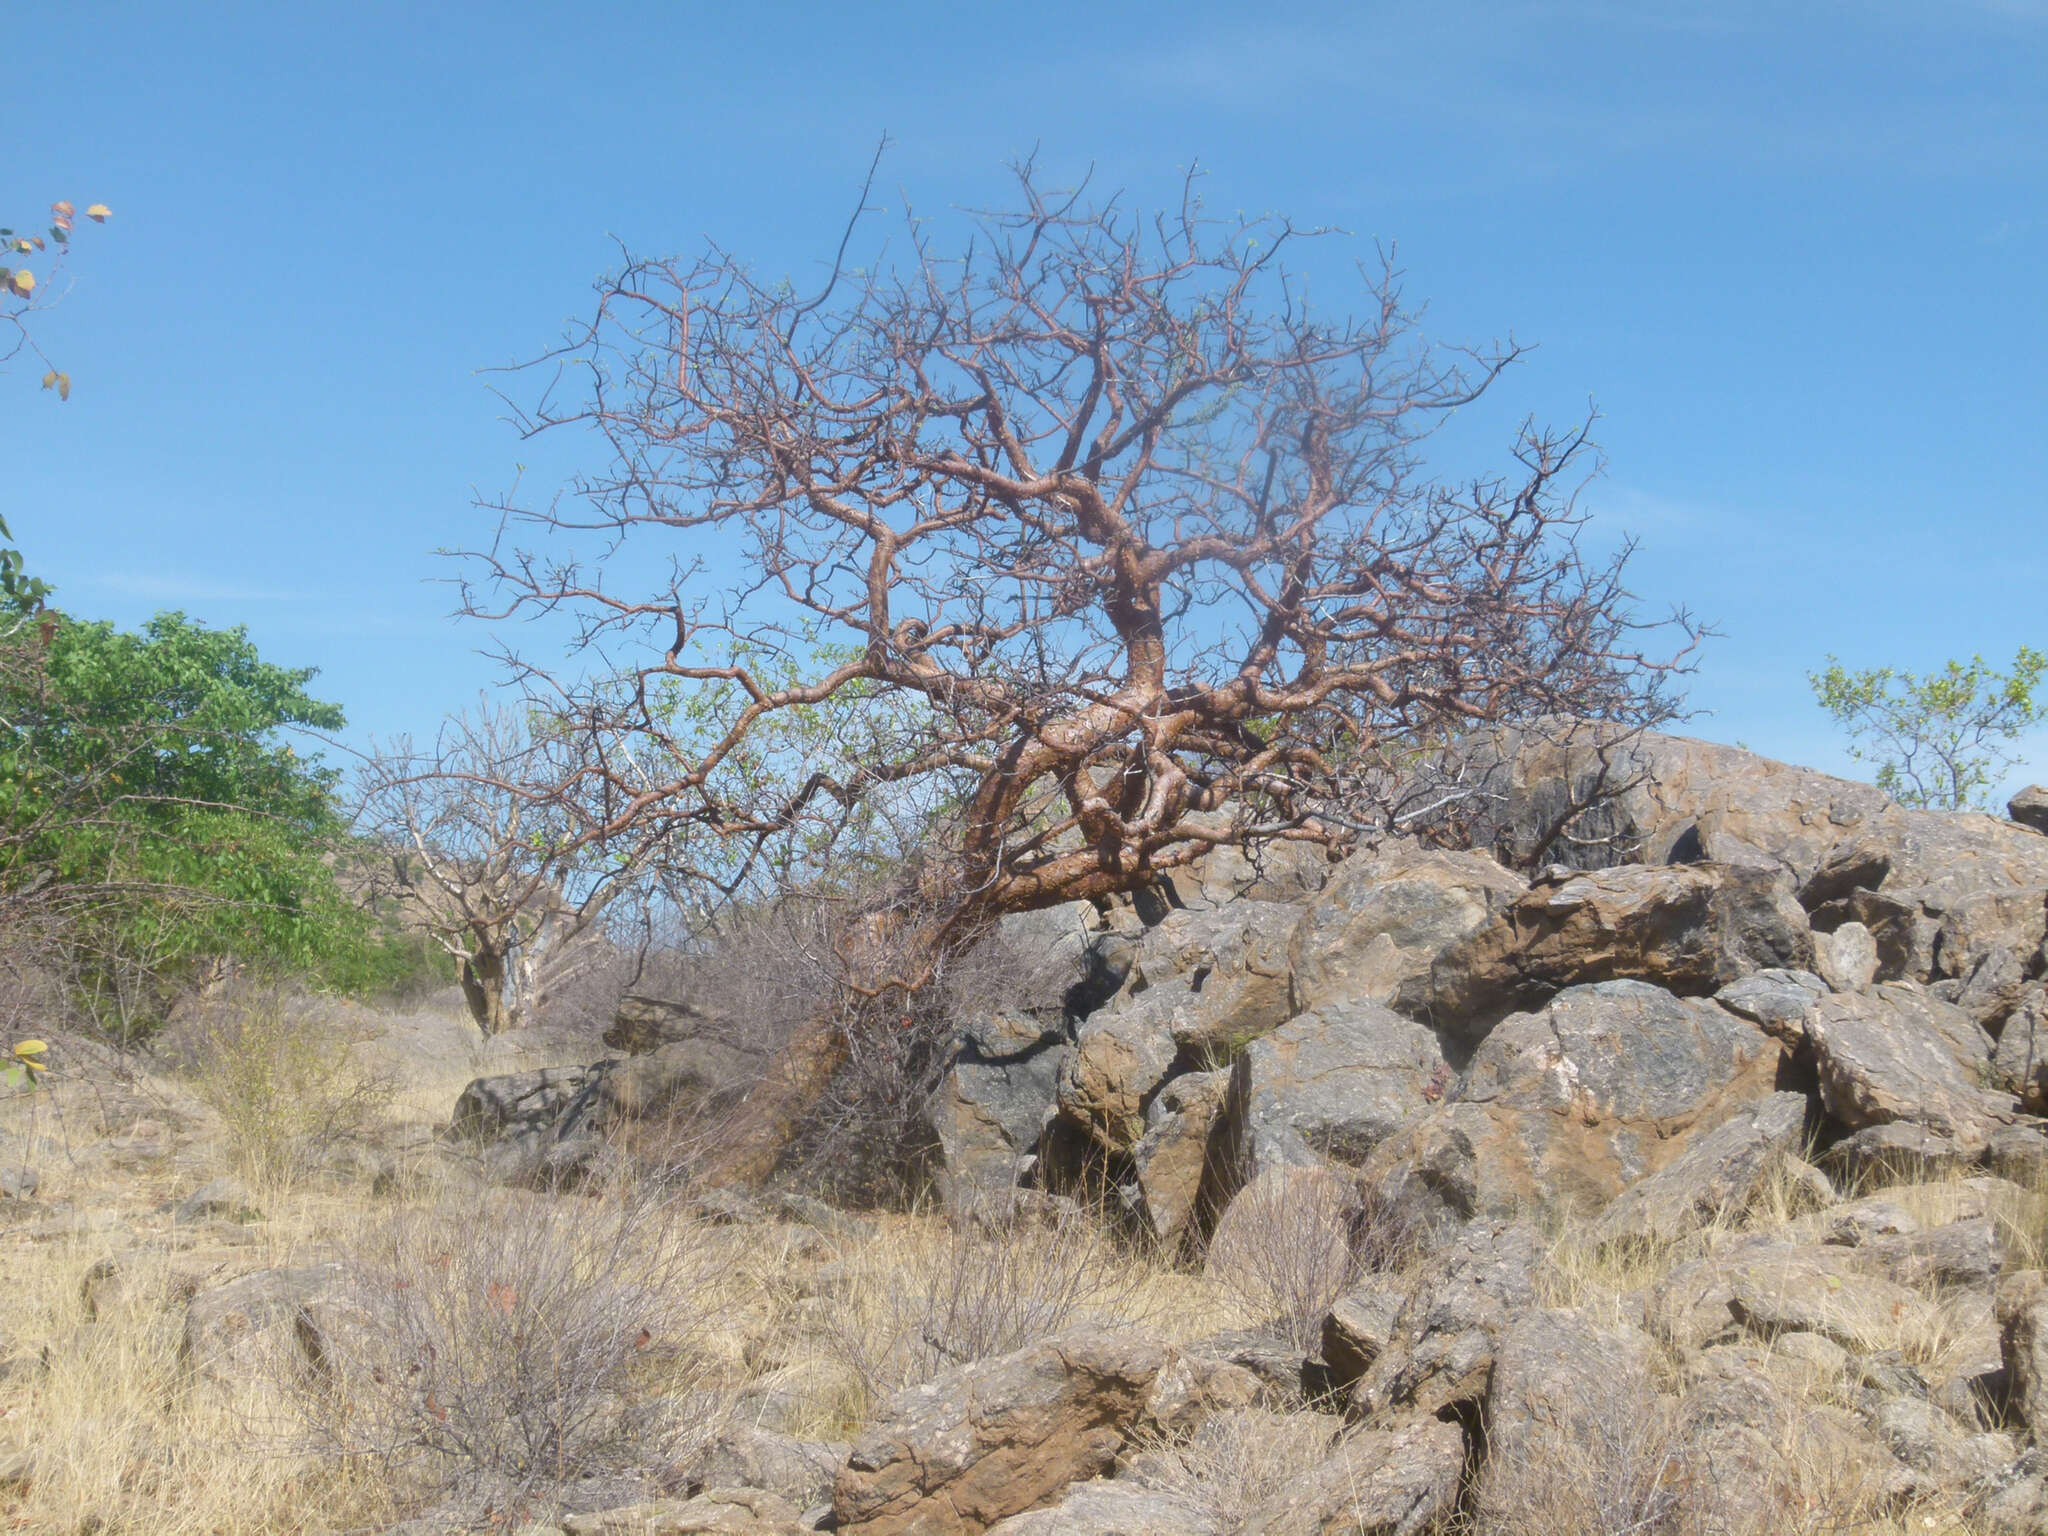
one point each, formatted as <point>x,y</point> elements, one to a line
<point>1376,930</point>
<point>1570,1106</point>
<point>1897,1054</point>
<point>1690,929</point>
<point>1000,1437</point>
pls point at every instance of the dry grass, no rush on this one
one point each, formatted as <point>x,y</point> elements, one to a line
<point>494,1346</point>
<point>1296,1239</point>
<point>1236,1461</point>
<point>284,1084</point>
<point>544,1298</point>
<point>943,1292</point>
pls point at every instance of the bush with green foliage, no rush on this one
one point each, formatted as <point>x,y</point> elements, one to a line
<point>1939,738</point>
<point>149,788</point>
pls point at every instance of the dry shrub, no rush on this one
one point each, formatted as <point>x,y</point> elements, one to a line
<point>35,993</point>
<point>496,1348</point>
<point>997,1280</point>
<point>1236,1461</point>
<point>1615,1467</point>
<point>1296,1239</point>
<point>283,1082</point>
<point>1636,1463</point>
<point>770,970</point>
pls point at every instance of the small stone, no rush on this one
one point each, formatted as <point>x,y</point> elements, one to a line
<point>1847,958</point>
<point>222,1197</point>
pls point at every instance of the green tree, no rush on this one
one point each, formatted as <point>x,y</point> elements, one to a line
<point>149,790</point>
<point>1939,739</point>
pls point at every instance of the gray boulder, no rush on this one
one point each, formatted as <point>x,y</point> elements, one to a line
<point>749,1456</point>
<point>1329,1086</point>
<point>1563,1388</point>
<point>1775,1000</point>
<point>1174,1163</point>
<point>1594,796</point>
<point>1102,1508</point>
<point>1690,929</point>
<point>2030,807</point>
<point>1716,1174</point>
<point>1377,1482</point>
<point>518,1104</point>
<point>531,1126</point>
<point>1847,958</point>
<point>1457,1309</point>
<point>1778,1290</point>
<point>642,1023</point>
<point>686,1078</point>
<point>1898,1054</point>
<point>2022,1310</point>
<point>1569,1106</point>
<point>1120,1058</point>
<point>239,1333</point>
<point>2014,1501</point>
<point>1957,1255</point>
<point>1934,887</point>
<point>1375,931</point>
<point>987,1116</point>
<point>1897,1152</point>
<point>2020,1061</point>
<point>1201,985</point>
<point>1272,869</point>
<point>1359,1328</point>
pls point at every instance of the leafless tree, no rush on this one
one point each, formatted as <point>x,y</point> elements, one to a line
<point>1120,522</point>
<point>491,872</point>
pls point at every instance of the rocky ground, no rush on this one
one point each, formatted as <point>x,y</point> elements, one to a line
<point>1679,1174</point>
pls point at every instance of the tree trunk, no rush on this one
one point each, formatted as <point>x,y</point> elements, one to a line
<point>483,988</point>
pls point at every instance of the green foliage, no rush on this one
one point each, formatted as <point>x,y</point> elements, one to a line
<point>20,592</point>
<point>23,1068</point>
<point>1938,739</point>
<point>839,839</point>
<point>146,780</point>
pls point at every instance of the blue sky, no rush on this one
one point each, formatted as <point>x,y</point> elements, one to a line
<point>1794,252</point>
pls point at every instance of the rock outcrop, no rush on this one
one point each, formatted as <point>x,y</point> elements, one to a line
<point>1569,1106</point>
<point>1691,929</point>
<point>999,1438</point>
